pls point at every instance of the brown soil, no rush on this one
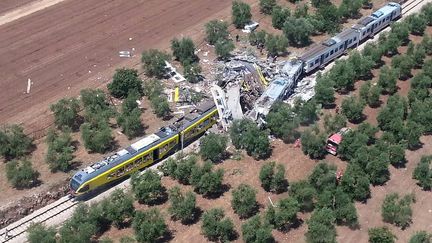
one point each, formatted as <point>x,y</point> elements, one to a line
<point>7,5</point>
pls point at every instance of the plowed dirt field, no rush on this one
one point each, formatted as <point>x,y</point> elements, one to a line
<point>74,44</point>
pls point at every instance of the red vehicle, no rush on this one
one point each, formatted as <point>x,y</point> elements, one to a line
<point>334,140</point>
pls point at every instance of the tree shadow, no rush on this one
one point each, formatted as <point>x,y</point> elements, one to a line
<point>360,120</point>
<point>416,147</point>
<point>75,164</point>
<point>283,188</point>
<point>77,124</point>
<point>224,188</point>
<point>400,164</point>
<point>196,217</point>
<point>378,104</point>
<point>168,236</point>
<point>161,199</point>
<point>329,106</point>
<point>295,225</point>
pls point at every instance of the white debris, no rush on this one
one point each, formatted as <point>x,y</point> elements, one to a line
<point>124,54</point>
<point>29,83</point>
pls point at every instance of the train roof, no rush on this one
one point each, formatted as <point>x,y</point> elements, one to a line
<point>143,144</point>
<point>383,11</point>
<point>313,51</point>
<point>342,36</point>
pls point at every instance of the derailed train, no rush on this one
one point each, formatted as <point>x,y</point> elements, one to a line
<point>318,55</point>
<point>167,140</point>
<point>146,151</point>
<point>323,53</point>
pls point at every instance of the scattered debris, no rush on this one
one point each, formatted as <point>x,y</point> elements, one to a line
<point>29,83</point>
<point>124,54</point>
<point>172,72</point>
<point>251,26</point>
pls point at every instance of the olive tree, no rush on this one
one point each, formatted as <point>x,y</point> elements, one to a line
<point>130,117</point>
<point>254,231</point>
<point>147,187</point>
<point>13,142</point>
<point>285,214</point>
<point>60,151</point>
<point>213,147</point>
<point>381,235</point>
<point>39,233</point>
<point>184,50</point>
<point>149,225</point>
<point>352,108</point>
<point>210,183</point>
<point>216,30</point>
<point>154,63</point>
<point>66,112</point>
<point>313,144</point>
<point>397,211</point>
<point>279,16</point>
<point>183,206</point>
<point>118,207</point>
<point>423,173</point>
<point>125,81</point>
<point>321,226</point>
<point>276,44</point>
<point>224,48</point>
<point>244,201</point>
<point>356,182</point>
<point>241,14</point>
<point>272,177</point>
<point>266,6</point>
<point>421,237</point>
<point>216,227</point>
<point>298,31</point>
<point>246,135</point>
<point>305,194</point>
<point>21,174</point>
<point>97,135</point>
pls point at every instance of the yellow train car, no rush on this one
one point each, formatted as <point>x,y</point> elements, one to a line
<point>145,151</point>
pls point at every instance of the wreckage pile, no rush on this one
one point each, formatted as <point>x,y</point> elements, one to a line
<point>246,86</point>
<point>260,83</point>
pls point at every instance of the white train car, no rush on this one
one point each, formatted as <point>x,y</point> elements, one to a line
<point>320,54</point>
<point>381,18</point>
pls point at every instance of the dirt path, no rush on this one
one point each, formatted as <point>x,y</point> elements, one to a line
<point>27,9</point>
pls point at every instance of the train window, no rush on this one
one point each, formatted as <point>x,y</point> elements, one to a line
<point>316,61</point>
<point>84,189</point>
<point>331,52</point>
<point>147,157</point>
<point>120,171</point>
<point>326,55</point>
<point>355,38</point>
<point>130,166</point>
<point>110,176</point>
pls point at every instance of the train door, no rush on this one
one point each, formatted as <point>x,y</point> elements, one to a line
<point>373,29</point>
<point>322,59</point>
<point>156,154</point>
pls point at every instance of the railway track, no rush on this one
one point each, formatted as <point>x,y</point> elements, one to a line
<point>408,5</point>
<point>44,214</point>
